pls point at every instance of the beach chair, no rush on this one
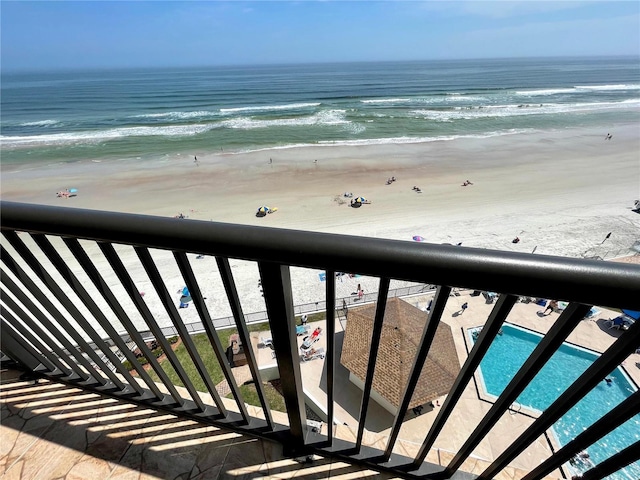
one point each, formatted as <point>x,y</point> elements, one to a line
<point>313,354</point>
<point>619,323</point>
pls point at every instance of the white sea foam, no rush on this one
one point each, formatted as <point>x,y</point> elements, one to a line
<point>265,108</point>
<point>386,100</point>
<point>407,140</point>
<point>391,140</point>
<point>610,87</point>
<point>463,98</point>
<point>578,89</point>
<point>178,115</point>
<point>467,113</point>
<point>449,97</point>
<point>546,91</point>
<point>40,123</point>
<point>325,117</point>
<point>103,135</point>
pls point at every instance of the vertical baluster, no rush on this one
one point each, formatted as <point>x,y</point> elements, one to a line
<point>236,308</point>
<point>428,334</point>
<point>92,272</point>
<point>623,412</point>
<point>614,463</point>
<point>330,362</point>
<point>491,328</point>
<point>549,344</point>
<point>624,346</point>
<point>276,286</point>
<point>90,374</point>
<point>130,287</point>
<point>57,261</point>
<point>16,346</point>
<point>167,301</point>
<point>102,320</point>
<point>48,359</point>
<point>373,355</point>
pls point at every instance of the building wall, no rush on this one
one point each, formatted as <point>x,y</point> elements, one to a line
<point>379,399</point>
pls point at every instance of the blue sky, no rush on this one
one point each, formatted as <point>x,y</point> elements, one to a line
<point>65,34</point>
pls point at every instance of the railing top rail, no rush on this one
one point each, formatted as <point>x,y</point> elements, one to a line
<point>585,281</point>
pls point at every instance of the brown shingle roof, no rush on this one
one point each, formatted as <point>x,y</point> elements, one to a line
<point>401,333</point>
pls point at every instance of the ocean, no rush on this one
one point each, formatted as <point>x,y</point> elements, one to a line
<point>63,116</point>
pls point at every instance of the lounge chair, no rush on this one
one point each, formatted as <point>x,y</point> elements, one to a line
<point>619,323</point>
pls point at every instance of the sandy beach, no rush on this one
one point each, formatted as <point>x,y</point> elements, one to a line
<point>560,192</point>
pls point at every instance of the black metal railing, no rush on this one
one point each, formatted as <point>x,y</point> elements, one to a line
<point>64,315</point>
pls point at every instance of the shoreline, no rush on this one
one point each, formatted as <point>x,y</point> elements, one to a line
<point>560,191</point>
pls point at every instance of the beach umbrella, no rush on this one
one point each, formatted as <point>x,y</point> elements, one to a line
<point>263,209</point>
<point>418,238</point>
<point>360,199</point>
<point>632,313</point>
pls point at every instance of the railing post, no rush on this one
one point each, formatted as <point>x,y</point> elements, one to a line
<point>330,362</point>
<point>276,286</point>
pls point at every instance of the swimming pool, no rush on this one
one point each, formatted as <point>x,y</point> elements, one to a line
<point>510,350</point>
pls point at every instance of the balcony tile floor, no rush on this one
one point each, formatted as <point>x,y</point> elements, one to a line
<point>52,431</point>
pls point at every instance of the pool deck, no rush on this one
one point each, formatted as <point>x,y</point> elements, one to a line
<point>592,334</point>
<point>53,431</point>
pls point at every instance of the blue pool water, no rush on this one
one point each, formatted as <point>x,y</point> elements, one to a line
<point>510,350</point>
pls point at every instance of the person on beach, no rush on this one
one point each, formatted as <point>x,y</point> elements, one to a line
<point>195,160</point>
<point>463,307</point>
<point>516,240</point>
<point>606,238</point>
<point>270,161</point>
<point>304,319</point>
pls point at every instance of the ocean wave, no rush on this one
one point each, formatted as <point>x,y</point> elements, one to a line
<point>386,100</point>
<point>325,117</point>
<point>577,89</point>
<point>265,108</point>
<point>610,87</point>
<point>408,140</point>
<point>40,123</point>
<point>463,98</point>
<point>546,91</point>
<point>390,140</point>
<point>431,99</point>
<point>102,135</point>
<point>178,115</point>
<point>469,113</point>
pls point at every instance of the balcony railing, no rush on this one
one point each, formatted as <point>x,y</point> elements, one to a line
<point>63,319</point>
